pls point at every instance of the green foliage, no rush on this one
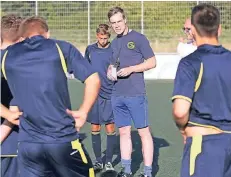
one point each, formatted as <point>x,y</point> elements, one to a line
<point>162,20</point>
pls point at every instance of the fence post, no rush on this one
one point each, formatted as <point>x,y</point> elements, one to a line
<point>142,17</point>
<point>88,23</point>
<point>36,7</point>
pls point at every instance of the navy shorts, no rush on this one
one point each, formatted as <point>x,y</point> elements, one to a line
<point>130,108</point>
<point>101,112</point>
<point>9,167</point>
<point>207,156</point>
<point>54,160</point>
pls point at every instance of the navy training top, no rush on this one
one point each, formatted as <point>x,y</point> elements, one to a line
<point>39,86</point>
<point>204,79</point>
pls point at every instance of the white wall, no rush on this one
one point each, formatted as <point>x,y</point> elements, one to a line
<point>166,67</point>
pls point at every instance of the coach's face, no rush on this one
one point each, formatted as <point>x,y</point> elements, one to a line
<point>118,23</point>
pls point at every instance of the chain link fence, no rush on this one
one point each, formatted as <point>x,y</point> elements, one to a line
<point>160,21</point>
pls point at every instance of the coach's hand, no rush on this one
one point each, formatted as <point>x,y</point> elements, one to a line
<point>79,116</point>
<point>109,73</point>
<point>125,71</point>
<point>14,117</point>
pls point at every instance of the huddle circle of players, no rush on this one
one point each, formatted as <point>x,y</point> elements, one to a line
<point>35,67</point>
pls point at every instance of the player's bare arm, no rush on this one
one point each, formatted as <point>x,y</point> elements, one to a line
<point>146,65</point>
<point>5,130</point>
<point>6,127</point>
<point>12,117</point>
<point>92,86</point>
<point>181,112</point>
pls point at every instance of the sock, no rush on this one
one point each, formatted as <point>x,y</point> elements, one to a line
<point>148,170</point>
<point>126,164</point>
<point>96,145</point>
<point>111,141</point>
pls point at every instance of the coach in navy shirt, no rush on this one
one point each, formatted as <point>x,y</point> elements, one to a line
<point>36,73</point>
<point>132,55</point>
<point>99,55</point>
<point>202,100</point>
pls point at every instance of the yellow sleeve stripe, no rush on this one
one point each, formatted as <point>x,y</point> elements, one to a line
<point>8,155</point>
<point>182,97</point>
<point>3,65</point>
<point>63,62</point>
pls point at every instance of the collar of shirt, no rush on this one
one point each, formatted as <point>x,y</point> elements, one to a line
<point>34,38</point>
<point>211,48</point>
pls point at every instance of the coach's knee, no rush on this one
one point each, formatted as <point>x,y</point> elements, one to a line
<point>144,132</point>
<point>125,131</point>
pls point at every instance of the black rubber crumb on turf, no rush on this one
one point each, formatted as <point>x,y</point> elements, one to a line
<point>108,174</point>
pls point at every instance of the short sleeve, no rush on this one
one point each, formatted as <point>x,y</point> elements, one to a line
<point>13,102</point>
<point>87,54</point>
<point>145,48</point>
<point>185,80</point>
<point>77,65</point>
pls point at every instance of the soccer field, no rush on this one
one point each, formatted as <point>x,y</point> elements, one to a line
<point>168,142</point>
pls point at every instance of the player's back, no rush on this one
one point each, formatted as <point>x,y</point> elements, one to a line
<point>39,85</point>
<point>212,101</point>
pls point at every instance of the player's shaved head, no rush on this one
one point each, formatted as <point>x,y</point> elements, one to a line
<point>206,20</point>
<point>33,26</point>
<point>10,28</point>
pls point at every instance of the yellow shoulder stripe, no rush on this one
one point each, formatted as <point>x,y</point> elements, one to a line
<point>199,79</point>
<point>63,62</point>
<point>3,65</point>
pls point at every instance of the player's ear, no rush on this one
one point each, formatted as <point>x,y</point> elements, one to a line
<point>125,20</point>
<point>219,30</point>
<point>48,34</point>
<point>193,32</point>
<point>21,39</point>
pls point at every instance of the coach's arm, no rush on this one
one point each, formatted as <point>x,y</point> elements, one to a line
<point>146,65</point>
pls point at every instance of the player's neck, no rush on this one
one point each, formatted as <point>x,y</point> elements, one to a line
<point>103,47</point>
<point>205,40</point>
<point>4,45</point>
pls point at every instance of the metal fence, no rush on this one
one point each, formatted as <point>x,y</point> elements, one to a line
<point>160,21</point>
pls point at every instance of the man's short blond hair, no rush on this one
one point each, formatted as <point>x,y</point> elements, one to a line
<point>34,24</point>
<point>10,27</point>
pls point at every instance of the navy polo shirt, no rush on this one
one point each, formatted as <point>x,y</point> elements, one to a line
<point>131,49</point>
<point>204,79</point>
<point>39,86</point>
<point>100,59</point>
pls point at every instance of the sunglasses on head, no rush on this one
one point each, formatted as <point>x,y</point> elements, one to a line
<point>186,29</point>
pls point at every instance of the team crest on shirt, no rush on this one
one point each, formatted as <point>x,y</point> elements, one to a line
<point>131,45</point>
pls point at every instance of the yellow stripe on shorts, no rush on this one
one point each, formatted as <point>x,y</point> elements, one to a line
<point>196,149</point>
<point>78,146</point>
